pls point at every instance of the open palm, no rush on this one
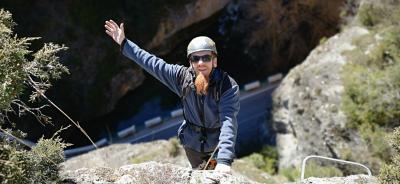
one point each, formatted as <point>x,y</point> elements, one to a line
<point>114,31</point>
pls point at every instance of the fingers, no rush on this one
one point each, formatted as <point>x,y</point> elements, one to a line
<point>109,33</point>
<point>114,31</point>
<point>111,25</point>
<point>115,25</point>
<point>108,28</point>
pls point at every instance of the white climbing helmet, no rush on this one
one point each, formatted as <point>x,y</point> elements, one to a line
<point>201,43</point>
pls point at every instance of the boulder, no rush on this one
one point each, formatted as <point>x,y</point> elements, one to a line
<point>307,105</point>
<point>150,172</point>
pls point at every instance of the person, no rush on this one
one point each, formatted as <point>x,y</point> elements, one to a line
<point>209,96</point>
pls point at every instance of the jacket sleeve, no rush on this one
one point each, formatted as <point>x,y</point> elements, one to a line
<point>157,67</point>
<point>229,108</point>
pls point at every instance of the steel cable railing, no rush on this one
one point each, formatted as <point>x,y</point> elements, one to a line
<point>303,165</point>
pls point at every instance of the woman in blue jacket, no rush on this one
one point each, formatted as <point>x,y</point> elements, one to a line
<point>210,97</point>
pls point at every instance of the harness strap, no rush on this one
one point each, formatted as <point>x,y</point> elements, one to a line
<point>217,96</point>
<point>198,128</point>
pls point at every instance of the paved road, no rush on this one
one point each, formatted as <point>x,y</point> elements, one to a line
<point>253,128</point>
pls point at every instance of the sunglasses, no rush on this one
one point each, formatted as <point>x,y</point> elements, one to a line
<point>205,58</point>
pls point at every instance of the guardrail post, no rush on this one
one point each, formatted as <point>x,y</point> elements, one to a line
<point>177,113</point>
<point>252,85</point>
<point>275,78</point>
<point>127,131</point>
<point>153,122</point>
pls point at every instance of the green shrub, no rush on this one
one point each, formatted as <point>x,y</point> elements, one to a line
<point>20,67</point>
<point>322,40</point>
<point>45,158</point>
<point>12,163</point>
<point>174,147</point>
<point>143,158</point>
<point>39,165</point>
<point>378,151</point>
<point>312,170</point>
<point>292,174</point>
<point>390,173</point>
<point>372,81</point>
<point>370,15</point>
<point>257,160</point>
<point>17,70</point>
<point>375,138</point>
<point>379,13</point>
<point>265,160</point>
<point>315,170</point>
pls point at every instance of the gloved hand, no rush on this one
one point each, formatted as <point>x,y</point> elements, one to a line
<point>223,168</point>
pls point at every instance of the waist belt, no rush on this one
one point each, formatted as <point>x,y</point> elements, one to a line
<point>198,128</point>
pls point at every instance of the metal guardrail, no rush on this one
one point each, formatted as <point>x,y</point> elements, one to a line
<point>177,113</point>
<point>252,85</point>
<point>174,114</point>
<point>153,122</point>
<point>27,143</point>
<point>84,149</point>
<point>275,78</point>
<point>127,131</point>
<point>303,166</point>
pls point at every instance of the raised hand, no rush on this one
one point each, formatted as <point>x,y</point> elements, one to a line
<point>115,32</point>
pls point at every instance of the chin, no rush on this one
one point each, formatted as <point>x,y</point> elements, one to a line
<point>205,73</point>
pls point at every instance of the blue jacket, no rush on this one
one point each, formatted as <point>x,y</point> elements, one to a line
<point>195,105</point>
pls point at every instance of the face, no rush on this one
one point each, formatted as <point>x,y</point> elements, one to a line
<point>203,62</point>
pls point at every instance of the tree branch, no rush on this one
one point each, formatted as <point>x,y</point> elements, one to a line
<point>32,83</point>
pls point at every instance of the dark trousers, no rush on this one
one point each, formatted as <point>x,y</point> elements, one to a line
<point>197,159</point>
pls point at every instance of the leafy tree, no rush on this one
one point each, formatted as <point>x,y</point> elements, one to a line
<point>22,70</point>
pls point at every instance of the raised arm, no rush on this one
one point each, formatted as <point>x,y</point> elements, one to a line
<point>157,67</point>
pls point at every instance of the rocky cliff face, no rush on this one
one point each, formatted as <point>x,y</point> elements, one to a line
<point>307,113</point>
<point>150,172</point>
<point>153,162</point>
<point>192,13</point>
<point>165,162</point>
<point>118,155</point>
<point>101,77</point>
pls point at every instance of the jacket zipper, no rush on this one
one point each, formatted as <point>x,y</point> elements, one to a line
<point>202,118</point>
<point>203,136</point>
